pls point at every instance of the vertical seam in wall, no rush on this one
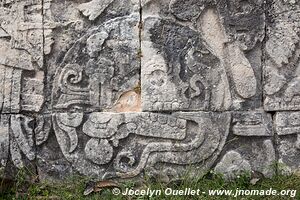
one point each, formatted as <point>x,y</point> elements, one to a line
<point>44,61</point>
<point>43,30</point>
<point>140,52</point>
<point>264,50</point>
<point>272,113</point>
<point>140,39</point>
<point>44,91</point>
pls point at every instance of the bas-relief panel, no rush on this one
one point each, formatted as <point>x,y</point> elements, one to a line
<point>117,89</point>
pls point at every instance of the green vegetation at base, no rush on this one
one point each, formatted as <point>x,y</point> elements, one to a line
<point>74,188</point>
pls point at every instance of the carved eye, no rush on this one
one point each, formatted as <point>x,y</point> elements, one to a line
<point>197,54</point>
<point>204,51</point>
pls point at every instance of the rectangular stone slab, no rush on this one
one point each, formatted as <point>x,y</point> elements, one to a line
<point>98,43</point>
<point>21,56</point>
<point>252,123</point>
<point>190,63</point>
<point>289,154</point>
<point>17,147</point>
<point>281,66</point>
<point>287,126</point>
<point>287,123</point>
<point>247,155</point>
<point>50,162</point>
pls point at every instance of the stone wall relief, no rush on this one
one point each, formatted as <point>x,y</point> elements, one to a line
<point>132,93</point>
<point>189,67</point>
<point>233,80</point>
<point>17,141</point>
<point>105,150</point>
<point>22,56</point>
<point>282,65</point>
<point>287,128</point>
<point>250,147</point>
<point>99,67</point>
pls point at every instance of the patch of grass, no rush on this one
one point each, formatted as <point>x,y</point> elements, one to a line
<point>74,187</point>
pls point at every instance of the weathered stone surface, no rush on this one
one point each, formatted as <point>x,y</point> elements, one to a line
<point>126,145</point>
<point>281,67</point>
<point>246,154</point>
<point>101,66</point>
<point>17,147</point>
<point>252,124</point>
<point>287,126</point>
<point>232,165</point>
<point>193,64</point>
<point>76,25</point>
<point>4,140</point>
<point>51,163</point>
<point>117,89</point>
<point>21,56</point>
<point>250,147</point>
<point>287,123</point>
<point>178,70</point>
<point>289,153</point>
<point>22,34</point>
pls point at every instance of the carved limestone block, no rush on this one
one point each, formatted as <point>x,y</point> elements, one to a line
<point>246,154</point>
<point>4,140</point>
<point>51,164</point>
<point>21,38</point>
<point>68,21</point>
<point>252,123</point>
<point>282,66</point>
<point>99,68</point>
<point>250,148</point>
<point>287,125</point>
<point>65,21</point>
<point>10,91</point>
<point>20,91</point>
<point>232,165</point>
<point>244,21</point>
<point>127,145</point>
<point>124,88</point>
<point>108,9</point>
<point>191,63</point>
<point>17,147</point>
<point>289,154</point>
<point>21,56</point>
